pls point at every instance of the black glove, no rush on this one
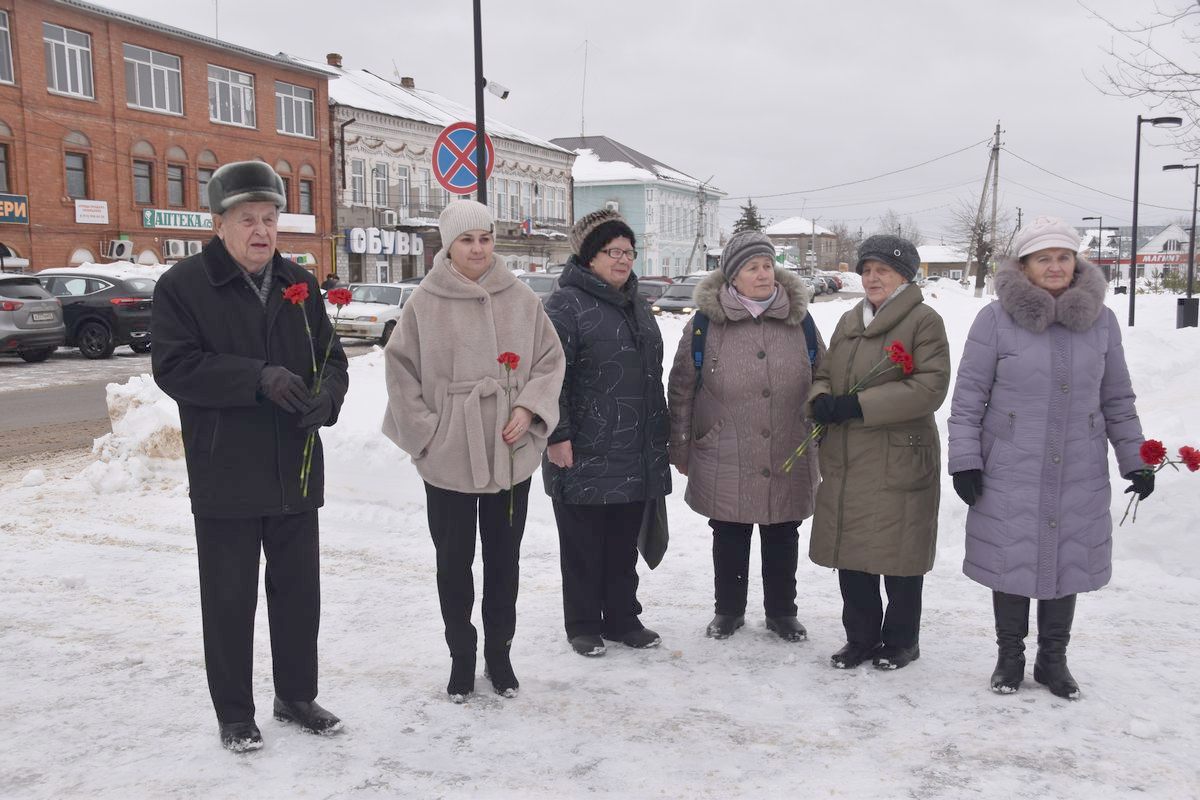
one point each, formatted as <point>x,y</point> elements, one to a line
<point>1141,483</point>
<point>969,485</point>
<point>317,412</point>
<point>283,387</point>
<point>836,410</point>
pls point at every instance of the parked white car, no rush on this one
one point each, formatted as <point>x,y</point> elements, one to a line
<point>373,312</point>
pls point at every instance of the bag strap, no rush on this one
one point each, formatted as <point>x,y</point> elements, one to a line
<point>699,326</point>
<point>810,339</point>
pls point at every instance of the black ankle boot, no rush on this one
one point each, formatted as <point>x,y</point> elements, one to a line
<point>1055,618</point>
<point>498,669</point>
<point>1012,626</point>
<point>462,677</point>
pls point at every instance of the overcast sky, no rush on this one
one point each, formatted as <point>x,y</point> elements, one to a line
<point>777,96</point>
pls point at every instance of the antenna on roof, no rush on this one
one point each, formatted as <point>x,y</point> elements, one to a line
<point>396,70</point>
<point>583,91</point>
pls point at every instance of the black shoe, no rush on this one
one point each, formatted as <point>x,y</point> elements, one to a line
<point>240,737</point>
<point>640,639</point>
<point>462,677</point>
<point>309,716</point>
<point>889,657</point>
<point>1012,626</point>
<point>1055,618</point>
<point>788,628</point>
<point>852,655</point>
<point>1055,676</point>
<point>588,644</point>
<point>723,626</point>
<point>1008,675</point>
<point>497,667</point>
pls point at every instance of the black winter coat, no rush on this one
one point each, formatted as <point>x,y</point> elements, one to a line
<point>212,337</point>
<point>613,406</point>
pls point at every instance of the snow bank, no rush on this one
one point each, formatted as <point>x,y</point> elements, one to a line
<point>145,439</point>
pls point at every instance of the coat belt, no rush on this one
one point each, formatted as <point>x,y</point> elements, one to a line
<point>482,472</point>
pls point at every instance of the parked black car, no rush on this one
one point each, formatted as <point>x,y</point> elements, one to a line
<point>102,310</point>
<point>677,299</point>
<point>652,290</point>
<point>31,321</point>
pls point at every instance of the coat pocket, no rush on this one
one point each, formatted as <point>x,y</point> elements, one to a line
<point>911,461</point>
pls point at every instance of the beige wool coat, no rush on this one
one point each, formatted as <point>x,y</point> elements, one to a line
<point>447,404</point>
<point>735,433</point>
<point>877,505</point>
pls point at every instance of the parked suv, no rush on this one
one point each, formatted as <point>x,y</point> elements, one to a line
<point>543,285</point>
<point>102,308</point>
<point>31,321</point>
<point>373,311</point>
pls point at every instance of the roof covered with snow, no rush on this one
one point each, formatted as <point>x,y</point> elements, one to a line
<point>795,226</point>
<point>941,254</point>
<point>363,89</point>
<point>602,159</point>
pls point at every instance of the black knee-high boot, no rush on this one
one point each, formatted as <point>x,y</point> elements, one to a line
<point>1054,632</point>
<point>1012,626</point>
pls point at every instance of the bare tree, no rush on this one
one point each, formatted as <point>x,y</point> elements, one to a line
<point>845,243</point>
<point>972,230</point>
<point>890,223</point>
<point>1156,59</point>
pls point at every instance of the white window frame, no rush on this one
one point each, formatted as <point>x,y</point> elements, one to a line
<point>239,85</point>
<point>403,189</point>
<point>6,63</point>
<point>379,181</point>
<point>72,57</point>
<point>162,74</point>
<point>358,182</point>
<point>424,177</point>
<point>301,101</point>
<point>302,194</point>
<point>501,195</point>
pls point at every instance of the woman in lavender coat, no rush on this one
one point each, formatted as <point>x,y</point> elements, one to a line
<point>1042,389</point>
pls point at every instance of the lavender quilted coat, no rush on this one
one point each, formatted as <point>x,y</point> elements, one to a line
<point>1042,389</point>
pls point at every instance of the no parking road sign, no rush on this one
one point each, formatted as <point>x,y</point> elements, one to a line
<point>454,158</point>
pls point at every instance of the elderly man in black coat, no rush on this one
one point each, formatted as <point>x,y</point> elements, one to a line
<point>236,356</point>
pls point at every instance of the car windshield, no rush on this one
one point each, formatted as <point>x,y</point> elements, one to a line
<point>541,283</point>
<point>23,289</point>
<point>385,295</point>
<point>651,289</point>
<point>678,292</point>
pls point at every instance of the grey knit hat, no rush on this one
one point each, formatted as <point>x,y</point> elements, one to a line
<point>1045,232</point>
<point>244,182</point>
<point>899,254</point>
<point>742,247</point>
<point>461,216</point>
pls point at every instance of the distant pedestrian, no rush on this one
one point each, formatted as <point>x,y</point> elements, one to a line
<point>877,506</point>
<point>606,466</point>
<point>330,282</point>
<point>236,357</point>
<point>1042,389</point>
<point>737,418</point>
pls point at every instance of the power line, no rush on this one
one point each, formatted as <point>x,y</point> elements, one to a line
<point>1085,186</point>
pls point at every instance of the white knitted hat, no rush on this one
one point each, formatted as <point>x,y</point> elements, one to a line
<point>1045,232</point>
<point>461,216</point>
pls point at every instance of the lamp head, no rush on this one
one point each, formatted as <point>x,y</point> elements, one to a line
<point>1166,122</point>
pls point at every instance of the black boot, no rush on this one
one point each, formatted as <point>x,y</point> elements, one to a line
<point>723,625</point>
<point>1054,632</point>
<point>240,737</point>
<point>853,654</point>
<point>308,715</point>
<point>787,628</point>
<point>1012,626</point>
<point>498,669</point>
<point>462,677</point>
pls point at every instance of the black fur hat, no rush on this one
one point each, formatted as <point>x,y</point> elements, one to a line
<point>244,182</point>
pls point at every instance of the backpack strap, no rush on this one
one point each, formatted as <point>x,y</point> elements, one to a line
<point>810,338</point>
<point>699,326</point>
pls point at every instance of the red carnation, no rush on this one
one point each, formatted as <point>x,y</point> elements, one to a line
<point>1153,452</point>
<point>509,360</point>
<point>1190,456</point>
<point>339,297</point>
<point>296,294</point>
<point>900,356</point>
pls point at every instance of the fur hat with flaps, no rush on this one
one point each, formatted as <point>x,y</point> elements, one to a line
<point>593,231</point>
<point>245,182</point>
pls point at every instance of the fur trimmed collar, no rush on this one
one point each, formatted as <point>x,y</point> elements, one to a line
<point>1035,309</point>
<point>708,298</point>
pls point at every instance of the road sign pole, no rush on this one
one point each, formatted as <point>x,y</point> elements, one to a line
<point>480,135</point>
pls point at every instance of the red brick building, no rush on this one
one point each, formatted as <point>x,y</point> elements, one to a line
<point>110,126</point>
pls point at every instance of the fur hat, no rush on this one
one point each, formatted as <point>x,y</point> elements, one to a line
<point>1045,232</point>
<point>742,247</point>
<point>597,229</point>
<point>244,182</point>
<point>460,216</point>
<point>898,253</point>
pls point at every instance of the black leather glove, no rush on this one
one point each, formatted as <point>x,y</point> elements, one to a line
<point>969,485</point>
<point>317,412</point>
<point>836,410</point>
<point>1141,483</point>
<point>283,387</point>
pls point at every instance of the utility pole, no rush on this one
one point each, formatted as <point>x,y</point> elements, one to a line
<point>480,135</point>
<point>702,196</point>
<point>977,221</point>
<point>1018,218</point>
<point>583,91</point>
<point>995,189</point>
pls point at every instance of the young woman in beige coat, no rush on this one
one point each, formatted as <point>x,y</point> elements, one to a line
<point>474,432</point>
<point>877,504</point>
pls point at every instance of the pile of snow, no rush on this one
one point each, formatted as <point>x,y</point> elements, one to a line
<point>144,442</point>
<point>121,270</point>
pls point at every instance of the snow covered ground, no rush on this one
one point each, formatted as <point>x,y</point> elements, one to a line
<point>104,692</point>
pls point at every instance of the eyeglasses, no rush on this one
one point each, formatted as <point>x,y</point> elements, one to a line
<point>616,253</point>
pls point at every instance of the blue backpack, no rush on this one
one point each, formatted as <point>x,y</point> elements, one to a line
<point>700,335</point>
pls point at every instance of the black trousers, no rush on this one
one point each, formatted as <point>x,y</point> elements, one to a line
<point>597,550</point>
<point>862,608</point>
<point>779,545</point>
<point>452,521</point>
<point>228,551</point>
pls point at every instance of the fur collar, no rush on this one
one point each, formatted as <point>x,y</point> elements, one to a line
<point>708,298</point>
<point>1035,309</point>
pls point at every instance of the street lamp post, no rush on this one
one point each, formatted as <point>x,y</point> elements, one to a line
<point>1100,239</point>
<point>1158,122</point>
<point>1186,315</point>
